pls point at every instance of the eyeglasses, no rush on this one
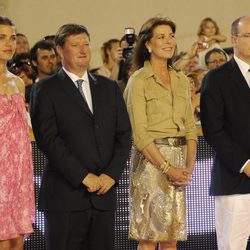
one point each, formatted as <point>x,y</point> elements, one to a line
<point>246,35</point>
<point>217,61</point>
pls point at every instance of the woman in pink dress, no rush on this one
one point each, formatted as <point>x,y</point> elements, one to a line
<point>17,209</point>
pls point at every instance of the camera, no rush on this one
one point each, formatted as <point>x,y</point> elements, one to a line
<point>203,45</point>
<point>130,38</point>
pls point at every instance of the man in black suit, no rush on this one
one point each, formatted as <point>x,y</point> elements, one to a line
<point>225,119</point>
<point>81,124</point>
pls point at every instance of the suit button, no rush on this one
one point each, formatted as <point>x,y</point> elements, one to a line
<point>97,126</point>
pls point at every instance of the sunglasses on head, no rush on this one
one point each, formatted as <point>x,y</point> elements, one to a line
<point>20,64</point>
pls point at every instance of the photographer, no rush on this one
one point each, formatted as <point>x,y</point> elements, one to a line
<point>126,71</point>
<point>115,54</point>
<point>127,44</point>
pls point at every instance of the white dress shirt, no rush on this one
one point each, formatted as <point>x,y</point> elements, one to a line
<point>85,86</point>
<point>244,67</point>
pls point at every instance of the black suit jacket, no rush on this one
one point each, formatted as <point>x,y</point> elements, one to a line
<point>225,119</point>
<point>77,142</point>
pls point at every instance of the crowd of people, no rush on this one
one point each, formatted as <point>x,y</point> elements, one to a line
<point>87,129</point>
<point>42,59</point>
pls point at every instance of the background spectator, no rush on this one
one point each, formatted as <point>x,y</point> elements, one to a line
<point>195,95</point>
<point>22,44</point>
<point>111,57</point>
<point>215,58</point>
<point>21,66</point>
<point>209,37</point>
<point>44,59</point>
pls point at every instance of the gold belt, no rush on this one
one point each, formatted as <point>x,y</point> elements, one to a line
<point>172,141</point>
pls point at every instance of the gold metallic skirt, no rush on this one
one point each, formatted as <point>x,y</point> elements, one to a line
<point>157,208</point>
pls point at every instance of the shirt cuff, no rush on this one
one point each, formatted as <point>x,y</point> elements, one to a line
<point>143,143</point>
<point>242,169</point>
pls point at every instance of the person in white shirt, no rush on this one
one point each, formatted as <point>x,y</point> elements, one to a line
<point>225,119</point>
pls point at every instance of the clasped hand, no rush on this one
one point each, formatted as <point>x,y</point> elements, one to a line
<point>180,176</point>
<point>101,183</point>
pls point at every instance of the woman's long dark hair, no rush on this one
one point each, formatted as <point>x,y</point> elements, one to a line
<point>141,53</point>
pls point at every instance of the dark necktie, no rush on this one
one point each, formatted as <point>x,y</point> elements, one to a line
<point>79,85</point>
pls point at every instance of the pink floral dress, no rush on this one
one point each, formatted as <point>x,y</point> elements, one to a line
<point>17,206</point>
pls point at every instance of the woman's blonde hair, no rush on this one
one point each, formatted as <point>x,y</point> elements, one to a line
<point>107,46</point>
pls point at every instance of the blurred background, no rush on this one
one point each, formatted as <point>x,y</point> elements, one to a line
<point>107,19</point>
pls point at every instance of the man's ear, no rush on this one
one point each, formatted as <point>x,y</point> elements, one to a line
<point>234,41</point>
<point>59,51</point>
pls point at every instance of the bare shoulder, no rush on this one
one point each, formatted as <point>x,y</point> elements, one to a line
<point>17,81</point>
<point>20,84</point>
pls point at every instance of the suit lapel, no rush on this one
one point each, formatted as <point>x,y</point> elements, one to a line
<point>95,94</point>
<point>68,86</point>
<point>239,80</point>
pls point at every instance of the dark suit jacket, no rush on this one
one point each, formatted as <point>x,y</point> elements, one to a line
<point>225,119</point>
<point>77,142</point>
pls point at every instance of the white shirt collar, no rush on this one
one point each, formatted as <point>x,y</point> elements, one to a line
<point>244,67</point>
<point>74,77</point>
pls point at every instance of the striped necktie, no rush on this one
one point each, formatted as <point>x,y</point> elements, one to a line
<point>79,85</point>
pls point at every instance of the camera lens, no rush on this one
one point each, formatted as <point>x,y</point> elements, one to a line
<point>127,52</point>
<point>130,39</point>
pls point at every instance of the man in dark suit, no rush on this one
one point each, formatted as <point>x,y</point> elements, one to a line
<point>81,124</point>
<point>225,119</point>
